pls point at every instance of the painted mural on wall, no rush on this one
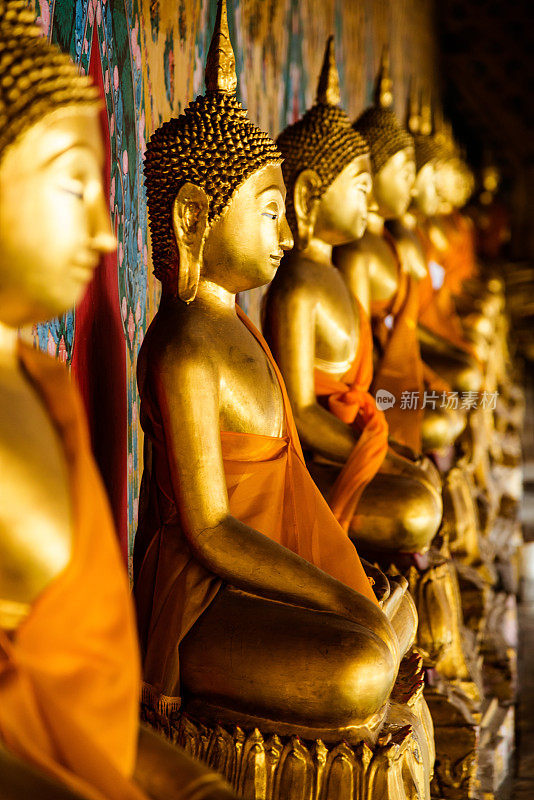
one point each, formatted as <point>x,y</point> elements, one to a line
<point>152,54</point>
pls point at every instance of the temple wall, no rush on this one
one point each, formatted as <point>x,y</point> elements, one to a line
<point>149,60</point>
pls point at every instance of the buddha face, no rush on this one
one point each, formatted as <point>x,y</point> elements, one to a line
<point>491,178</point>
<point>393,184</point>
<point>425,193</point>
<point>54,223</point>
<point>244,247</point>
<point>451,184</point>
<point>342,210</point>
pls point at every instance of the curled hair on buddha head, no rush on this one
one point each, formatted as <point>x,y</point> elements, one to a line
<point>36,78</point>
<point>379,124</point>
<point>212,145</point>
<point>322,140</point>
<point>419,124</point>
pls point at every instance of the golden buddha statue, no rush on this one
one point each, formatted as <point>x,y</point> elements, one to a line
<point>441,337</point>
<point>327,172</point>
<point>384,274</point>
<point>490,215</point>
<point>69,659</point>
<point>321,340</point>
<point>254,609</point>
<point>477,303</point>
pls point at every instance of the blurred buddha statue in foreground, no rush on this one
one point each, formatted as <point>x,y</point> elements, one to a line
<point>253,606</point>
<point>385,277</point>
<point>69,662</point>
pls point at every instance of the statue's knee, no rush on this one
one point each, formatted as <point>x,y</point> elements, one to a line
<point>398,512</point>
<point>441,427</point>
<point>362,676</point>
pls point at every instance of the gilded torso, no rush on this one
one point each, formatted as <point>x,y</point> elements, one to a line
<point>409,249</point>
<point>320,290</point>
<point>35,506</point>
<point>370,268</point>
<point>249,396</point>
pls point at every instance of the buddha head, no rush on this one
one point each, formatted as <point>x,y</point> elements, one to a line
<point>216,195</point>
<point>326,168</point>
<point>391,146</point>
<point>419,124</point>
<point>54,222</point>
<point>454,179</point>
<point>490,180</point>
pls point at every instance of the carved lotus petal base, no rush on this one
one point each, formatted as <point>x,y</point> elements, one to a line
<point>271,767</point>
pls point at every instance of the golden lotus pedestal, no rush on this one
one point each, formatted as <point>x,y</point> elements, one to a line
<point>394,761</point>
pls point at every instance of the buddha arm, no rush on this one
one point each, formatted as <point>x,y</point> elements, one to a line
<point>232,550</point>
<point>318,428</point>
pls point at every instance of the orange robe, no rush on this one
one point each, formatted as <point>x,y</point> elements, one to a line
<point>459,260</point>
<point>269,489</point>
<point>69,673</point>
<point>349,400</point>
<point>400,370</point>
<point>436,306</point>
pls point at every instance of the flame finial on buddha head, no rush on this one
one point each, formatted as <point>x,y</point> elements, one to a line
<point>419,124</point>
<point>379,123</point>
<point>413,118</point>
<point>323,140</point>
<point>384,84</point>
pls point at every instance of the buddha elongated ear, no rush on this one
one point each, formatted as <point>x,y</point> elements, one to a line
<point>190,225</point>
<point>306,195</point>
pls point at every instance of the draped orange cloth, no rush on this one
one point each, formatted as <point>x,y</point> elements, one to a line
<point>437,311</point>
<point>349,399</point>
<point>69,674</point>
<point>400,370</point>
<point>459,260</point>
<point>269,489</point>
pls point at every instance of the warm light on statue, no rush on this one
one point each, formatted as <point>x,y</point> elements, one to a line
<point>69,656</point>
<point>230,519</point>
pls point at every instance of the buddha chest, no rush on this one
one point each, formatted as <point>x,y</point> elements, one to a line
<point>250,395</point>
<point>336,323</point>
<point>383,268</point>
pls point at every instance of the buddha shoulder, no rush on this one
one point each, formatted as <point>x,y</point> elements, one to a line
<point>382,266</point>
<point>297,282</point>
<point>179,339</point>
<point>409,248</point>
<point>194,356</point>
